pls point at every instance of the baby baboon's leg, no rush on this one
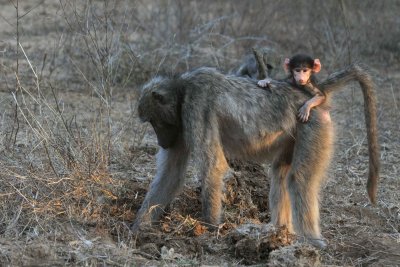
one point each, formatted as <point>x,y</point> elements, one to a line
<point>311,157</point>
<point>279,201</point>
<point>213,169</point>
<point>169,179</point>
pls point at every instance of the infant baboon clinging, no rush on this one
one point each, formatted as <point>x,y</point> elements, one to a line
<point>301,71</point>
<point>210,117</point>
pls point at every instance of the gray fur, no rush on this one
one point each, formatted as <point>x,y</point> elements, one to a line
<point>214,116</point>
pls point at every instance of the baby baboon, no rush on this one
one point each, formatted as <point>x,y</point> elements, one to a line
<point>210,117</point>
<point>301,69</point>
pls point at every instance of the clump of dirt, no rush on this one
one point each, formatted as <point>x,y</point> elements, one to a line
<point>180,235</point>
<point>254,242</point>
<point>294,255</point>
<point>249,243</point>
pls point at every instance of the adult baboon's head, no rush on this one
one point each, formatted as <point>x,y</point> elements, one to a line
<point>159,104</point>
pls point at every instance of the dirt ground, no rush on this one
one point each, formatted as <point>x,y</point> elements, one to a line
<point>68,198</point>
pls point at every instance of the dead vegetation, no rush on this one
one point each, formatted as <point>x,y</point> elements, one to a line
<point>75,162</point>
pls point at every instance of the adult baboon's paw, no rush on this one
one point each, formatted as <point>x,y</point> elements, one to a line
<point>319,243</point>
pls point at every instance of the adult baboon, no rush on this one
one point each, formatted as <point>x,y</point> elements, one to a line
<point>211,117</point>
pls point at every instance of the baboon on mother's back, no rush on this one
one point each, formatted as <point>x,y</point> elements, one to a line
<point>210,117</point>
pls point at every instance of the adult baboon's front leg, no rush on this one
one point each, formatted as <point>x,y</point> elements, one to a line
<point>311,157</point>
<point>169,179</point>
<point>213,168</point>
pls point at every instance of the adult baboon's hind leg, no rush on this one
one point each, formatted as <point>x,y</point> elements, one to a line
<point>279,201</point>
<point>311,157</point>
<point>213,169</point>
<point>169,180</point>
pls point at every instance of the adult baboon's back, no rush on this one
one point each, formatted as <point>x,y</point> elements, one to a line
<point>211,116</point>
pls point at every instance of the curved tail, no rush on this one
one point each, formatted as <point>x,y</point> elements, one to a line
<point>336,81</point>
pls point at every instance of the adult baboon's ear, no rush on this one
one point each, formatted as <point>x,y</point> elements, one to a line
<point>158,97</point>
<point>317,66</point>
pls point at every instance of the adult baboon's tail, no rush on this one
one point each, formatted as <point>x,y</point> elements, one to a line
<point>335,82</point>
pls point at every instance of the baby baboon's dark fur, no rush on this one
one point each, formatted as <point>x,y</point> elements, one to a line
<point>210,116</point>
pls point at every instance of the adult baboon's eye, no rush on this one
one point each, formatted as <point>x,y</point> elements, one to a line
<point>159,97</point>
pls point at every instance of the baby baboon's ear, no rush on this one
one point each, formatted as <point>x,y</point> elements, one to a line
<point>317,66</point>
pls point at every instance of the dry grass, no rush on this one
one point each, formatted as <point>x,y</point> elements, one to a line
<point>75,162</point>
